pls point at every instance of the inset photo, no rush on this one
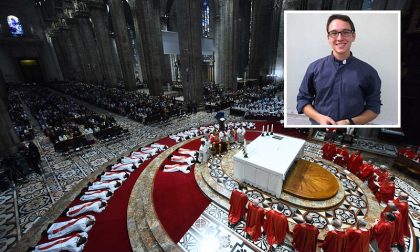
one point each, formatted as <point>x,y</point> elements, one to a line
<point>342,69</point>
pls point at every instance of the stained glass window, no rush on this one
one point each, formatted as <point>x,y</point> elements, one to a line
<point>15,26</point>
<point>205,18</point>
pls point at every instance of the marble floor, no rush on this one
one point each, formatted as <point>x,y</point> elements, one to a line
<point>22,206</point>
<point>357,202</point>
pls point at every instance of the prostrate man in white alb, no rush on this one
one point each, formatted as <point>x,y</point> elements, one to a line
<point>184,151</point>
<point>96,206</point>
<point>177,167</point>
<point>110,185</point>
<point>140,154</point>
<point>114,175</point>
<point>123,167</point>
<point>131,160</point>
<point>102,194</point>
<point>182,159</point>
<point>81,224</point>
<point>72,243</point>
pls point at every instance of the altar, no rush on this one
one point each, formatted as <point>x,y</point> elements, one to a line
<point>269,159</point>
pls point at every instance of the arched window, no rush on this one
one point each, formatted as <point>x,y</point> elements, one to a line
<point>205,18</point>
<point>15,26</point>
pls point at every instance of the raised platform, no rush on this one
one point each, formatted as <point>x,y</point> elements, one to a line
<point>311,181</point>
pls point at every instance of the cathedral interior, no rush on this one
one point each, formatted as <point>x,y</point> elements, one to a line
<point>88,86</point>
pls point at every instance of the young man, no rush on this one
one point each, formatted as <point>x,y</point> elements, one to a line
<point>335,239</point>
<point>305,236</point>
<point>59,229</point>
<point>358,239</point>
<point>340,89</point>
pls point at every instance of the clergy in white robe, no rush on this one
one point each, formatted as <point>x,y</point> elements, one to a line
<point>123,167</point>
<point>102,194</point>
<point>114,175</point>
<point>72,243</point>
<point>110,185</point>
<point>177,167</point>
<point>96,206</point>
<point>81,224</point>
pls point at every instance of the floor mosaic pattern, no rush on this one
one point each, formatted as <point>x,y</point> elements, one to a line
<point>354,206</point>
<point>22,206</point>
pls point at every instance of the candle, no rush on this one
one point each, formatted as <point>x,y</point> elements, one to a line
<point>272,128</point>
<point>263,129</point>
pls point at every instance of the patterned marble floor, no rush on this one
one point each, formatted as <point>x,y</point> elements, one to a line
<point>213,222</point>
<point>23,205</point>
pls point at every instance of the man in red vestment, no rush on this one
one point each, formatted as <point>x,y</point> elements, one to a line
<point>366,171</point>
<point>354,163</point>
<point>358,239</point>
<point>339,160</point>
<point>254,221</point>
<point>305,236</point>
<point>398,237</point>
<point>276,226</point>
<point>335,240</point>
<point>387,190</point>
<point>379,175</point>
<point>402,204</point>
<point>383,232</point>
<point>328,150</point>
<point>344,153</point>
<point>408,152</point>
<point>237,210</point>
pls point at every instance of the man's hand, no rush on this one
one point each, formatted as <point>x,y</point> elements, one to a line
<point>325,120</point>
<point>343,122</point>
<point>310,112</point>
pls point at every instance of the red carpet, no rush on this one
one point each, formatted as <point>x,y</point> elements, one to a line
<point>178,201</point>
<point>110,230</point>
<point>177,198</point>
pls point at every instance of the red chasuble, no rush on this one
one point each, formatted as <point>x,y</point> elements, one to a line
<point>254,221</point>
<point>335,240</point>
<point>305,237</point>
<point>387,192</point>
<point>383,233</point>
<point>357,240</point>
<point>403,209</point>
<point>366,171</point>
<point>237,209</point>
<point>276,227</point>
<point>354,163</point>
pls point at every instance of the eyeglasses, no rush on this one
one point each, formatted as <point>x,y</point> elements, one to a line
<point>344,33</point>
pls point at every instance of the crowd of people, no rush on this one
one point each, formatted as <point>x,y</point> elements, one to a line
<point>69,125</point>
<point>136,105</point>
<point>19,117</point>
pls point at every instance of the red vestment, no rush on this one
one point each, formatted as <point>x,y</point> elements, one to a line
<point>328,151</point>
<point>343,152</point>
<point>305,237</point>
<point>354,163</point>
<point>387,191</point>
<point>403,209</point>
<point>357,240</point>
<point>237,209</point>
<point>398,237</point>
<point>276,227</point>
<point>335,240</point>
<point>371,184</point>
<point>382,232</point>
<point>254,221</point>
<point>339,160</point>
<point>407,152</point>
<point>366,171</point>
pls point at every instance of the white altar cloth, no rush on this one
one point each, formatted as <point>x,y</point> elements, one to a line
<point>269,159</point>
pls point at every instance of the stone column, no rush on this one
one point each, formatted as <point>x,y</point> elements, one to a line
<point>85,26</point>
<point>275,28</point>
<point>189,31</point>
<point>98,14</point>
<point>286,5</point>
<point>125,51</point>
<point>149,38</point>
<point>68,47</point>
<point>261,19</point>
<point>61,57</point>
<point>81,50</point>
<point>8,137</point>
<point>226,43</point>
